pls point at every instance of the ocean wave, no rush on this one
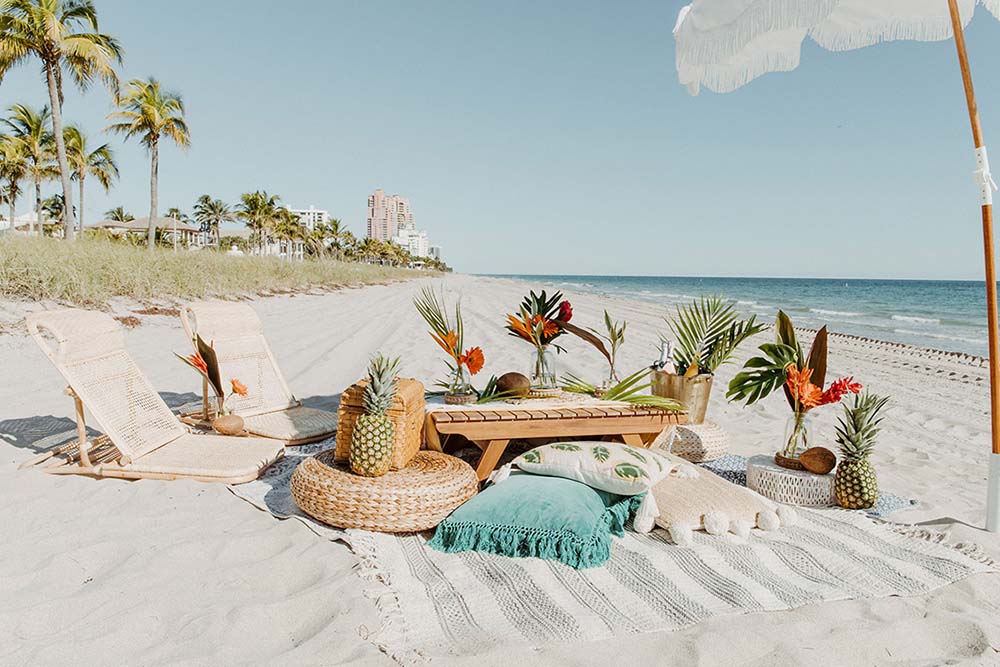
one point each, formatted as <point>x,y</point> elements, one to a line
<point>939,336</point>
<point>916,320</point>
<point>834,313</point>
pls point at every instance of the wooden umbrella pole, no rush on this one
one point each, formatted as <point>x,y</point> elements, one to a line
<point>993,500</point>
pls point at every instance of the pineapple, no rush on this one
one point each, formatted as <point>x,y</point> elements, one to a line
<point>855,483</point>
<point>374,433</point>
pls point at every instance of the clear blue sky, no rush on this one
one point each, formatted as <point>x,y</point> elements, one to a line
<point>553,137</point>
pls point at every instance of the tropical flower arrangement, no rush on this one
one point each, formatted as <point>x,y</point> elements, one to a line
<point>801,377</point>
<point>540,320</point>
<point>206,363</point>
<point>628,390</point>
<point>449,334</point>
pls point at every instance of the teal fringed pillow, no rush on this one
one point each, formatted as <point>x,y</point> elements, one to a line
<point>541,517</point>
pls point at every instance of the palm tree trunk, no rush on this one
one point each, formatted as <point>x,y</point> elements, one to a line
<point>153,178</point>
<point>38,206</point>
<point>69,224</point>
<point>80,211</point>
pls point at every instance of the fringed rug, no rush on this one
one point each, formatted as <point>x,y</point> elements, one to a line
<point>435,604</point>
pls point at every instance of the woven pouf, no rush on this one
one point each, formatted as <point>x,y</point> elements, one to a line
<point>697,442</point>
<point>792,487</point>
<point>416,498</point>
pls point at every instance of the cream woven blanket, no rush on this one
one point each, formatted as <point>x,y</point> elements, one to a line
<point>435,604</point>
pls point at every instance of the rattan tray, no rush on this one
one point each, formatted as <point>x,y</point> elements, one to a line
<point>416,498</point>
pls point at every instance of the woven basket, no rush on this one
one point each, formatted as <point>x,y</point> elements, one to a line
<point>407,413</point>
<point>416,498</point>
<point>695,442</point>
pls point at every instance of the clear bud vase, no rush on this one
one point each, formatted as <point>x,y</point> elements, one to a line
<point>541,372</point>
<point>459,383</point>
<point>797,435</point>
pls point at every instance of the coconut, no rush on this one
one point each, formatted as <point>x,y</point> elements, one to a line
<point>514,384</point>
<point>228,425</point>
<point>818,460</point>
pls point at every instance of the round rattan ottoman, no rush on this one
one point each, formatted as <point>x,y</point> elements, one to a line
<point>792,487</point>
<point>697,442</point>
<point>417,497</point>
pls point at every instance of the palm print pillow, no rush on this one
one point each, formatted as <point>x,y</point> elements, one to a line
<point>607,466</point>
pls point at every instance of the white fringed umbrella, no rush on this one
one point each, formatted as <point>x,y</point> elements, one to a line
<point>725,44</point>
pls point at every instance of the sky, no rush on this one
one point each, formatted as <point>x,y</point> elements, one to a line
<point>553,137</point>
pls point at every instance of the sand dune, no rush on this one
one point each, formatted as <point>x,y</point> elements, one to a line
<point>155,572</point>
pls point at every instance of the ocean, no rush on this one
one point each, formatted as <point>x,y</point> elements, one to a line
<point>940,314</point>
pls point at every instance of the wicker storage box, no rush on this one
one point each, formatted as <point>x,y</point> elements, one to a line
<point>407,413</point>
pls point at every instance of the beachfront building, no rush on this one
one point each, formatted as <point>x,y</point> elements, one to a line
<point>386,214</point>
<point>412,240</point>
<point>310,217</point>
<point>434,252</point>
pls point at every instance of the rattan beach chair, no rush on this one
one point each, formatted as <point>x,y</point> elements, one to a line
<point>143,438</point>
<point>269,409</point>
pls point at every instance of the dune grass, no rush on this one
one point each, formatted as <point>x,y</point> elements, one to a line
<point>90,272</point>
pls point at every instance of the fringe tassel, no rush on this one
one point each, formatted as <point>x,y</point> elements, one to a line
<point>525,542</point>
<point>767,37</point>
<point>970,550</point>
<point>393,630</point>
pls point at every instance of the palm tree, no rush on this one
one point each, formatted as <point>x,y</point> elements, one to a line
<point>29,127</point>
<point>99,163</point>
<point>177,214</point>
<point>211,213</point>
<point>149,112</point>
<point>118,214</point>
<point>288,230</point>
<point>65,37</point>
<point>258,210</point>
<point>13,169</point>
<point>54,207</point>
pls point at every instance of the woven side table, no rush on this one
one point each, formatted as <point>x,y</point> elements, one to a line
<point>416,498</point>
<point>792,487</point>
<point>695,442</point>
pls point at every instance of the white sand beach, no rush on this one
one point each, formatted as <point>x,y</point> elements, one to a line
<point>115,572</point>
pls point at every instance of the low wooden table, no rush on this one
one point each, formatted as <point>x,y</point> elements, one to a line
<point>492,427</point>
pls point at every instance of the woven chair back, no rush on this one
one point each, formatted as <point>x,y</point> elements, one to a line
<point>236,334</point>
<point>88,349</point>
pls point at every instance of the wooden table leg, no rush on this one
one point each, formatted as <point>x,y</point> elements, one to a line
<point>633,439</point>
<point>431,436</point>
<point>490,456</point>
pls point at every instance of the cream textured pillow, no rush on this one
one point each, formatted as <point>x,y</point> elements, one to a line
<point>607,466</point>
<point>710,503</point>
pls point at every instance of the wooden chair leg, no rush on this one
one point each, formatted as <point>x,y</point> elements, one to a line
<point>81,429</point>
<point>488,461</point>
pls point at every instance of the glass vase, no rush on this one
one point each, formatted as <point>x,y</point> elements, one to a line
<point>542,374</point>
<point>797,435</point>
<point>459,385</point>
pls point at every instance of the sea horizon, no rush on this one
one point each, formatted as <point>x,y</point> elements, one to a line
<point>948,315</point>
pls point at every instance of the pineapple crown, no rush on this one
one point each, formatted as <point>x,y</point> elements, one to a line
<point>858,427</point>
<point>381,388</point>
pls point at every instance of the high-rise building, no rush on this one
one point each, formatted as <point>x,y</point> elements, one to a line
<point>386,214</point>
<point>310,217</point>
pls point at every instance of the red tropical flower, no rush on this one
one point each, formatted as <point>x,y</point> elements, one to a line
<point>839,388</point>
<point>565,311</point>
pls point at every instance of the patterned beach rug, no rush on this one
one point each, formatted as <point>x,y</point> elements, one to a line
<point>436,604</point>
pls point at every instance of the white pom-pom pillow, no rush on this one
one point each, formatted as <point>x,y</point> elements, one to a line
<point>710,503</point>
<point>615,468</point>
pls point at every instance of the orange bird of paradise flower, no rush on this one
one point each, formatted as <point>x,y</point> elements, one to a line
<point>448,342</point>
<point>198,362</point>
<point>809,395</point>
